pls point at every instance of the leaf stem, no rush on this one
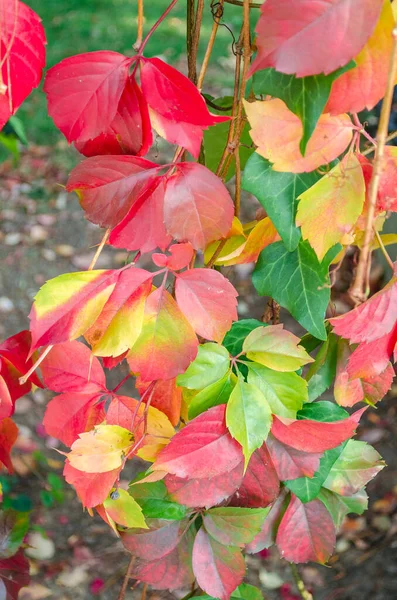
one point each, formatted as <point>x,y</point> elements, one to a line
<point>357,291</point>
<point>139,36</point>
<point>157,23</point>
<point>389,138</point>
<point>383,248</point>
<point>127,576</point>
<point>122,382</point>
<point>217,16</point>
<point>305,594</point>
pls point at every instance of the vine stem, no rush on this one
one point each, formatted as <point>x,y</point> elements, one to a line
<point>157,23</point>
<point>305,594</point>
<point>210,46</point>
<point>127,576</point>
<point>194,22</point>
<point>383,248</point>
<point>45,352</point>
<point>358,291</point>
<point>389,138</point>
<point>241,3</point>
<point>139,36</point>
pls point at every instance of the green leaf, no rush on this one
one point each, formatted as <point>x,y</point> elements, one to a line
<point>248,417</point>
<point>245,591</point>
<point>47,498</point>
<point>236,335</point>
<point>213,395</point>
<point>278,193</point>
<point>357,464</point>
<point>297,281</point>
<point>153,499</point>
<point>323,371</point>
<point>10,143</point>
<point>211,364</point>
<point>340,506</point>
<point>306,97</point>
<point>285,392</point>
<point>148,490</point>
<point>124,510</point>
<point>13,528</point>
<point>234,526</point>
<point>55,481</point>
<point>215,140</point>
<point>324,411</point>
<point>308,488</point>
<point>18,128</point>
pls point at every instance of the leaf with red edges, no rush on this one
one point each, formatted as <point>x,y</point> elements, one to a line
<point>306,532</point>
<point>305,38</point>
<point>166,397</point>
<point>208,301</point>
<point>218,569</point>
<point>14,363</point>
<point>143,226</point>
<point>83,93</point>
<point>71,367</point>
<point>130,131</point>
<point>22,48</point>
<point>371,359</point>
<point>234,526</point>
<point>181,255</point>
<point>267,536</point>
<point>199,493</point>
<point>70,414</point>
<point>291,463</point>
<point>197,206</point>
<point>8,437</point>
<point>315,436</point>
<point>203,449</point>
<point>260,485</point>
<point>108,186</point>
<point>91,488</point>
<point>14,575</point>
<point>167,343</point>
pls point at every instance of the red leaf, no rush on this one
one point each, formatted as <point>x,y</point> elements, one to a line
<point>83,93</point>
<point>173,95</point>
<point>208,301</point>
<point>370,359</point>
<point>91,488</point>
<point>218,569</point>
<point>177,132</point>
<point>305,38</point>
<point>197,206</point>
<point>267,536</point>
<point>306,532</point>
<point>109,185</point>
<point>203,449</point>
<point>163,555</point>
<point>166,396</point>
<point>198,493</point>
<point>260,486</point>
<point>371,320</point>
<point>181,255</point>
<point>291,463</point>
<point>130,131</point>
<point>314,436</point>
<point>8,436</point>
<point>143,228</point>
<point>22,48</point>
<point>71,367</point>
<point>14,575</point>
<point>72,413</point>
<point>167,343</point>
<point>110,362</point>
<point>14,363</point>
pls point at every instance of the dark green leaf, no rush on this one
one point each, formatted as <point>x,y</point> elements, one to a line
<point>278,193</point>
<point>213,395</point>
<point>297,281</point>
<point>306,97</point>
<point>244,591</point>
<point>47,498</point>
<point>235,337</point>
<point>324,411</point>
<point>323,371</point>
<point>157,508</point>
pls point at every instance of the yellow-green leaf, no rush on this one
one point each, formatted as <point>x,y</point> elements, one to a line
<point>102,449</point>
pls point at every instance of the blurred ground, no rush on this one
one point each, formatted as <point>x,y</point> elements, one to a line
<point>43,233</point>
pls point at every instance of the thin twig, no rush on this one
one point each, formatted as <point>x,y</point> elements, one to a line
<point>241,3</point>
<point>206,59</point>
<point>127,576</point>
<point>237,195</point>
<point>193,36</point>
<point>383,248</point>
<point>144,590</point>
<point>45,352</point>
<point>139,36</point>
<point>389,138</point>
<point>305,594</point>
<point>358,292</point>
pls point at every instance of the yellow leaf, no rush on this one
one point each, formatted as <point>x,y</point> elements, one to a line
<point>159,433</point>
<point>330,208</point>
<point>102,449</point>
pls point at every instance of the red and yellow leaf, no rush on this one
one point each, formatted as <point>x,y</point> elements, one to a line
<point>91,488</point>
<point>8,437</point>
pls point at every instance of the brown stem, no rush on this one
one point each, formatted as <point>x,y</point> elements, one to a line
<point>305,594</point>
<point>45,352</point>
<point>144,590</point>
<point>139,36</point>
<point>358,292</point>
<point>237,196</point>
<point>217,252</point>
<point>194,21</point>
<point>207,56</point>
<point>127,576</point>
<point>383,249</point>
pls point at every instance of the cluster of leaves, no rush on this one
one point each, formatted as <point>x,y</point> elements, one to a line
<point>244,452</point>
